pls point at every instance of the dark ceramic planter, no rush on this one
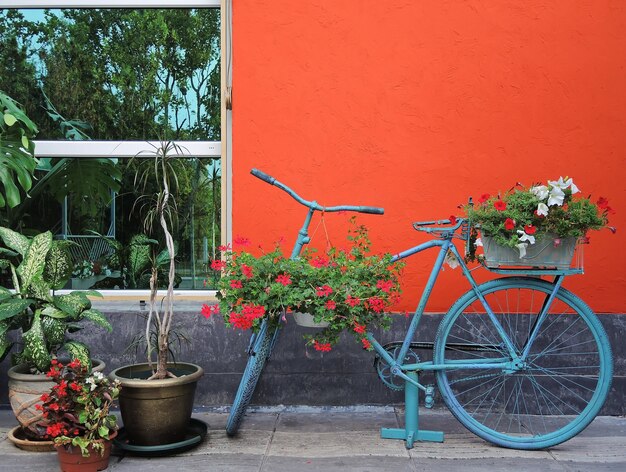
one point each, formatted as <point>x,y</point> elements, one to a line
<point>156,412</point>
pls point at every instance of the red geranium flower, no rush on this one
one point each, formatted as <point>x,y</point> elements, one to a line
<point>323,291</point>
<point>366,343</point>
<point>484,197</point>
<point>208,310</point>
<point>284,279</point>
<point>218,265</point>
<point>235,284</point>
<point>322,347</point>
<point>330,305</point>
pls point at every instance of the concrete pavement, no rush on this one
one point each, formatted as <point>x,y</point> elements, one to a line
<point>332,439</point>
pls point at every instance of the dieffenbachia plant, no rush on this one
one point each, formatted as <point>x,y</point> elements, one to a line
<point>38,266</point>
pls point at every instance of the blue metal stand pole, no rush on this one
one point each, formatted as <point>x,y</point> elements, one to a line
<point>411,432</point>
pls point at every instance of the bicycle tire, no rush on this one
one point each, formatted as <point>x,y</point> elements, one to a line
<point>520,409</point>
<point>254,367</point>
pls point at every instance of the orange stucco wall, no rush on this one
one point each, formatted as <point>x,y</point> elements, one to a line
<point>416,105</point>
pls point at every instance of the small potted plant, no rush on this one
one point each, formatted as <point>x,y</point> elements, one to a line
<point>342,289</point>
<point>538,225</point>
<point>77,416</point>
<point>42,320</point>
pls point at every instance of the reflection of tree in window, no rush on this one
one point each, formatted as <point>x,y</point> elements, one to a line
<point>119,74</point>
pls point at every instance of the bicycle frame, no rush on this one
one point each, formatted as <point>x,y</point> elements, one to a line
<point>514,359</point>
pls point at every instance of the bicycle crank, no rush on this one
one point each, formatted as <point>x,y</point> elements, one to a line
<point>383,369</point>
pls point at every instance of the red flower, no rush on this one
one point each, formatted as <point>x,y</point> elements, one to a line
<point>322,347</point>
<point>509,224</point>
<point>530,229</point>
<point>366,344</point>
<point>45,397</point>
<point>499,205</point>
<point>323,291</point>
<point>74,386</point>
<point>235,284</point>
<point>74,364</point>
<point>239,320</point>
<point>320,261</point>
<point>241,241</point>
<point>376,304</point>
<point>353,301</point>
<point>218,265</point>
<point>208,310</point>
<point>602,203</point>
<point>484,197</point>
<point>54,430</point>
<point>359,328</point>
<point>284,279</point>
<point>224,248</point>
<point>385,285</point>
<point>452,219</point>
<point>53,407</point>
<point>247,271</point>
<point>330,305</point>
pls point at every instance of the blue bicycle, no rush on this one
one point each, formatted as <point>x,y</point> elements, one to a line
<point>520,361</point>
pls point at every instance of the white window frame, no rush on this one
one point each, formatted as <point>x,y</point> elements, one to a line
<point>127,149</point>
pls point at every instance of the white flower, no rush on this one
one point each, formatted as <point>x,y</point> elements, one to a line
<point>525,237</point>
<point>563,184</point>
<point>540,191</point>
<point>542,209</point>
<point>522,249</point>
<point>478,242</point>
<point>556,196</point>
<point>451,260</point>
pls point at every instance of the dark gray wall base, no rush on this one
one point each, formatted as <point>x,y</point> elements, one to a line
<point>295,375</point>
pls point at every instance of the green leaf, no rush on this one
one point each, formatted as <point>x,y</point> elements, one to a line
<point>9,119</point>
<point>8,252</point>
<point>79,351</point>
<point>35,351</point>
<point>10,308</point>
<point>39,289</point>
<point>35,258</point>
<point>103,431</point>
<point>54,312</point>
<point>5,346</point>
<point>73,304</point>
<point>25,142</point>
<point>53,331</point>
<point>14,240</point>
<point>98,318</point>
<point>59,265</point>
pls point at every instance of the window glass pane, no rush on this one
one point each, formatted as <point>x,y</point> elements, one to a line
<point>116,74</point>
<point>112,245</point>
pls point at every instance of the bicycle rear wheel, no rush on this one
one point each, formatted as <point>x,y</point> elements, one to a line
<point>549,400</point>
<point>256,361</point>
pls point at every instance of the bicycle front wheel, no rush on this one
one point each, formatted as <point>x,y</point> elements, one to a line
<point>554,395</point>
<point>256,361</point>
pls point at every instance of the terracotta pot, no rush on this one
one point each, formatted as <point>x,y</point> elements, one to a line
<point>157,412</point>
<point>71,458</point>
<point>25,391</point>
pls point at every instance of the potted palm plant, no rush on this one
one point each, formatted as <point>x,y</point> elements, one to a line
<point>159,385</point>
<point>41,319</point>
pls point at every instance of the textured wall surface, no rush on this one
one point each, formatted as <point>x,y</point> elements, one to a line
<point>295,375</point>
<point>415,106</point>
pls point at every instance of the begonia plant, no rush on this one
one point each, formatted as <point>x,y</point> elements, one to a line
<point>76,410</point>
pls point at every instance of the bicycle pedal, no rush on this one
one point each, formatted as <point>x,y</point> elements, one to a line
<point>429,397</point>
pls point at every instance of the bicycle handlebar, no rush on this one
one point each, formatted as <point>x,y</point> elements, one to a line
<point>263,176</point>
<point>314,205</point>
